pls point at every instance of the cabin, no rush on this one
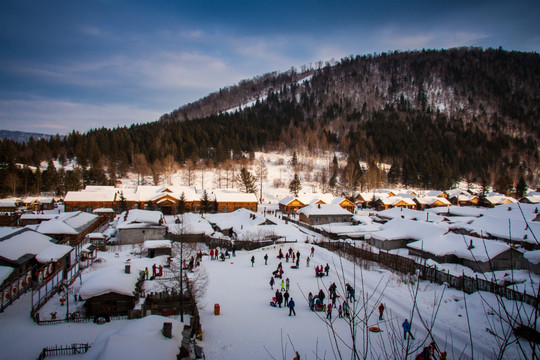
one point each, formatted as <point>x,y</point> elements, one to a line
<point>69,228</point>
<point>426,202</point>
<point>398,232</point>
<point>136,226</point>
<point>8,207</point>
<point>229,201</point>
<point>323,214</point>
<point>157,247</point>
<point>111,290</point>
<point>290,205</point>
<point>344,203</point>
<point>29,252</point>
<point>477,254</point>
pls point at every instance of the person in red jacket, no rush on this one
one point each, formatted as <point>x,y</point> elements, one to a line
<point>381,311</point>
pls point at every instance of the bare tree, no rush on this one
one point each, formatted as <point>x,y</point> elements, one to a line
<point>261,172</point>
<point>140,166</point>
<point>11,181</point>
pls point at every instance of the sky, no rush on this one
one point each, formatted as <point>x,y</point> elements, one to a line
<point>78,65</point>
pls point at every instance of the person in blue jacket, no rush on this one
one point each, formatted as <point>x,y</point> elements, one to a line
<point>291,307</point>
<point>407,329</point>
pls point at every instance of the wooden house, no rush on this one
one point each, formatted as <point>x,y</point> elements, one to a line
<point>425,202</point>
<point>290,205</point>
<point>323,214</point>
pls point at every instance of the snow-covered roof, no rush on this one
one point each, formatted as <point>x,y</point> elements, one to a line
<point>108,279</point>
<point>458,211</point>
<point>430,200</point>
<point>5,272</point>
<point>70,223</point>
<point>398,228</point>
<point>512,229</point>
<point>234,196</point>
<point>459,245</point>
<point>157,244</point>
<point>138,339</point>
<point>96,236</point>
<point>8,204</point>
<point>532,256</point>
<point>499,199</point>
<point>103,211</point>
<point>138,217</point>
<point>21,242</point>
<point>287,200</point>
<point>53,253</point>
<point>189,223</point>
<point>410,214</point>
<point>323,209</point>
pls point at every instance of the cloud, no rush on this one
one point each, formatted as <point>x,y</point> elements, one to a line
<point>56,116</point>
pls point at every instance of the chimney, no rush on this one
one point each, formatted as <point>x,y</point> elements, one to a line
<point>167,329</point>
<point>128,269</point>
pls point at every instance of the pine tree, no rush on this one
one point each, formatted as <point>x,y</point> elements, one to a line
<point>295,186</point>
<point>182,203</point>
<point>246,181</point>
<point>521,188</point>
<point>205,202</point>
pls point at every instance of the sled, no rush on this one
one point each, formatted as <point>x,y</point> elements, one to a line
<point>375,329</point>
<point>293,267</point>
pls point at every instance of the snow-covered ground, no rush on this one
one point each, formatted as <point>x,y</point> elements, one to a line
<point>249,328</point>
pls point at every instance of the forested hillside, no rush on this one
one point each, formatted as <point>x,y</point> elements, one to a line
<point>436,117</point>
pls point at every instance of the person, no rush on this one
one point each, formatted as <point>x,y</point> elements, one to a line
<point>286,257</point>
<point>340,311</point>
<point>280,255</point>
<point>211,254</point>
<point>407,329</point>
<point>216,253</point>
<point>316,271</point>
<point>291,307</point>
<point>282,285</point>
<point>279,297</point>
<point>265,259</point>
<point>252,260</point>
<point>286,297</point>
<point>160,270</point>
<point>312,250</point>
<point>272,282</point>
<point>307,261</point>
<point>227,254</point>
<point>346,308</point>
<point>329,311</point>
<point>381,310</point>
<point>233,251</point>
<point>154,267</point>
<point>321,295</point>
<point>310,301</point>
<point>287,283</point>
<point>293,257</point>
<point>327,269</point>
<point>146,272</point>
<point>222,257</point>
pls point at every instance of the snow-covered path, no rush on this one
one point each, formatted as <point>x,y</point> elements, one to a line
<point>248,328</point>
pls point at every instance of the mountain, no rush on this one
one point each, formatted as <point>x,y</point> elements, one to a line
<point>422,118</point>
<point>22,137</point>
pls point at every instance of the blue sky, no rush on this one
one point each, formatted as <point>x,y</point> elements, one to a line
<point>80,64</point>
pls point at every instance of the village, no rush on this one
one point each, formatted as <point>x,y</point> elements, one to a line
<point>106,254</point>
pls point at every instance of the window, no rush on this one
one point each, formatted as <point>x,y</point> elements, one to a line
<point>89,209</point>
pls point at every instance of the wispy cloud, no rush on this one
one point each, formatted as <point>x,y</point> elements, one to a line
<point>61,117</point>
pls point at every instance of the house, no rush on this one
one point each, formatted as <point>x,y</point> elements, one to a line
<point>229,201</point>
<point>533,257</point>
<point>99,240</point>
<point>157,247</point>
<point>91,198</point>
<point>461,198</point>
<point>430,202</point>
<point>532,197</point>
<point>344,203</point>
<point>493,199</point>
<point>136,226</point>
<point>243,225</point>
<point>25,250</point>
<point>38,203</point>
<point>478,254</point>
<point>69,228</point>
<point>398,232</point>
<point>324,214</point>
<point>8,207</point>
<point>511,230</point>
<point>387,202</point>
<point>110,290</point>
<point>290,205</point>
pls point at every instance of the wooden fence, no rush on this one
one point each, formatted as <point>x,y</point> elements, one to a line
<point>409,266</point>
<point>64,350</point>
